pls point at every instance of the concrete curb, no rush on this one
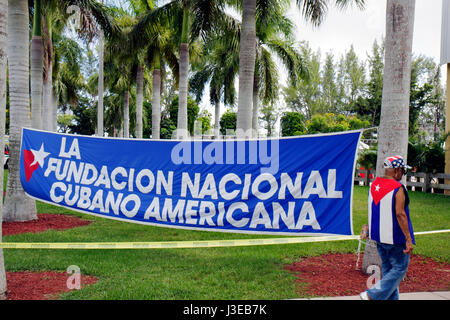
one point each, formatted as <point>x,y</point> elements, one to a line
<point>438,295</point>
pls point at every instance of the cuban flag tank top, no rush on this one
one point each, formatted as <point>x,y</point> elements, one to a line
<point>383,224</point>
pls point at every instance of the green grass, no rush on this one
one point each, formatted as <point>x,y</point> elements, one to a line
<point>205,273</point>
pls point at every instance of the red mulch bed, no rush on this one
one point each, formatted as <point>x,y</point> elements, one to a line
<point>27,285</point>
<point>47,285</point>
<point>45,221</point>
<point>335,275</point>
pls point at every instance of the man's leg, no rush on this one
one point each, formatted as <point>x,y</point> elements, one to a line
<point>394,265</point>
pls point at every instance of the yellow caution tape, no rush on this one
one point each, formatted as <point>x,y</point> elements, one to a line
<point>181,244</point>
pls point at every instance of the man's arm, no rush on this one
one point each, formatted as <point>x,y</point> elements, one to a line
<point>403,219</point>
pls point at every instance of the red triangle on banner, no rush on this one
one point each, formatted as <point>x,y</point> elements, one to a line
<point>28,159</point>
<point>381,187</point>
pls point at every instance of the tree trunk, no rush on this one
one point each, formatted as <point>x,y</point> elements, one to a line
<point>36,67</point>
<point>54,108</point>
<point>37,52</point>
<point>3,62</point>
<point>247,53</point>
<point>18,206</point>
<point>156,104</point>
<point>139,100</point>
<point>394,121</point>
<point>100,86</point>
<point>393,132</point>
<point>182,128</point>
<point>255,118</point>
<point>47,90</point>
<point>217,120</point>
<point>126,114</point>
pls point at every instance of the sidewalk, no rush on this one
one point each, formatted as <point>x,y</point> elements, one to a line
<point>440,295</point>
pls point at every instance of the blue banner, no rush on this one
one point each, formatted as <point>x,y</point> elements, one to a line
<point>287,186</point>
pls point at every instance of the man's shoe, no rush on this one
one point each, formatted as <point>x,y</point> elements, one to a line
<point>364,296</point>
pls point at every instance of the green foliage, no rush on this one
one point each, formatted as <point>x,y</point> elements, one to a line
<point>368,158</point>
<point>192,113</point>
<point>292,124</point>
<point>228,121</point>
<point>427,157</point>
<point>331,122</point>
<point>85,118</point>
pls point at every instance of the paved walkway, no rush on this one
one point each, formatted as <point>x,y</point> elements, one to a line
<point>440,295</point>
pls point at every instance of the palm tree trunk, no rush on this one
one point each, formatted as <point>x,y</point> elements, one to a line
<point>247,53</point>
<point>3,62</point>
<point>255,114</point>
<point>37,51</point>
<point>47,109</point>
<point>36,60</point>
<point>126,114</point>
<point>100,85</point>
<point>394,121</point>
<point>54,114</point>
<point>217,120</point>
<point>183,82</point>
<point>156,104</point>
<point>47,89</point>
<point>139,100</point>
<point>18,207</point>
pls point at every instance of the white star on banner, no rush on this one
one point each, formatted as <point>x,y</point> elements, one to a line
<point>377,188</point>
<point>39,156</point>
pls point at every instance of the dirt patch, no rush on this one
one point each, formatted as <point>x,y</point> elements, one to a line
<point>46,285</point>
<point>45,221</point>
<point>27,285</point>
<point>335,275</point>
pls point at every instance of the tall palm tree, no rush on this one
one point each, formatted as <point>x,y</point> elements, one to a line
<point>3,62</point>
<point>36,68</point>
<point>394,121</point>
<point>219,68</point>
<point>313,11</point>
<point>191,18</point>
<point>18,207</point>
<point>274,37</point>
<point>100,108</point>
<point>93,14</point>
<point>247,58</point>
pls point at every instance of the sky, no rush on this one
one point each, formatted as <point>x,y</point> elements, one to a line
<point>360,28</point>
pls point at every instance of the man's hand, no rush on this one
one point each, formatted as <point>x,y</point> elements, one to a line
<point>409,247</point>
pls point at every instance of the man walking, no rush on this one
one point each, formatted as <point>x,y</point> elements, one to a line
<point>390,226</point>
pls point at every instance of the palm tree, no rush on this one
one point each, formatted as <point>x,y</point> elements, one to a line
<point>191,18</point>
<point>93,14</point>
<point>100,109</point>
<point>3,62</point>
<point>247,58</point>
<point>394,121</point>
<point>219,68</point>
<point>393,132</point>
<point>36,61</point>
<point>18,207</point>
<point>313,10</point>
<point>274,37</point>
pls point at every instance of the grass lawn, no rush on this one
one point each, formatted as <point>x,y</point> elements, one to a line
<point>204,273</point>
